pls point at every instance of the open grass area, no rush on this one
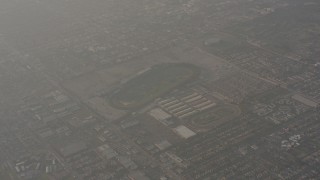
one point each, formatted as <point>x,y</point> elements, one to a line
<point>6,174</point>
<point>269,96</point>
<point>214,116</point>
<point>158,80</point>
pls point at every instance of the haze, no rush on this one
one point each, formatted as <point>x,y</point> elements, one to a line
<point>159,89</point>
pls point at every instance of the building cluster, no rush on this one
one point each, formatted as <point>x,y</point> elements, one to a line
<point>281,110</point>
<point>185,105</point>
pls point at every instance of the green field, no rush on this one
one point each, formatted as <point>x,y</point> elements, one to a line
<point>214,116</point>
<point>6,174</point>
<point>146,87</point>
